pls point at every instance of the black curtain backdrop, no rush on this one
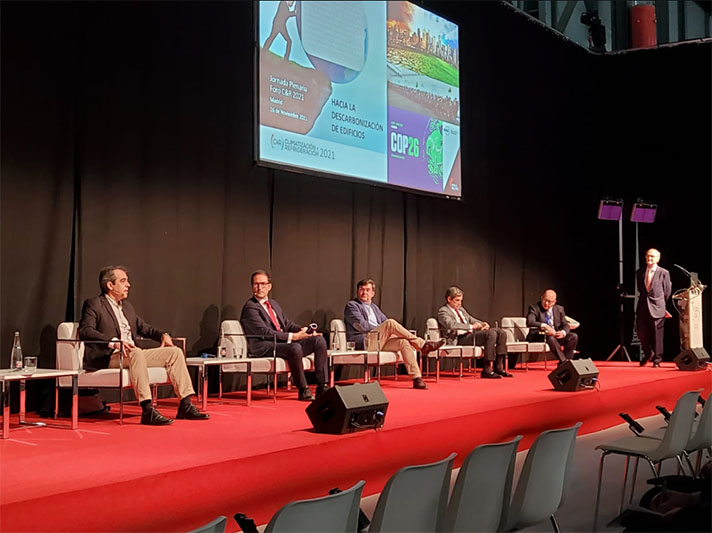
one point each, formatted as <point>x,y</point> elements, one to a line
<point>127,137</point>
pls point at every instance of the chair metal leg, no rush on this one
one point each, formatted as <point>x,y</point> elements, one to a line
<point>56,400</point>
<point>635,476</point>
<point>249,388</point>
<point>437,369</point>
<point>625,482</point>
<point>274,393</point>
<point>598,491</point>
<point>554,524</point>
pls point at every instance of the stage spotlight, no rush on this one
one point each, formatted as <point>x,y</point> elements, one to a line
<point>610,210</point>
<point>643,212</point>
<point>596,31</point>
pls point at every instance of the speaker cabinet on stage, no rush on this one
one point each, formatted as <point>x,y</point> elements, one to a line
<point>574,375</point>
<point>692,359</point>
<point>348,408</point>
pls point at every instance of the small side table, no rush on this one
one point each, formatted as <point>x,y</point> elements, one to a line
<point>201,363</point>
<point>8,376</point>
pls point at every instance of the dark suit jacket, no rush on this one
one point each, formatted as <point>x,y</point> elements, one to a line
<point>256,321</point>
<point>537,316</point>
<point>660,289</point>
<point>357,324</point>
<point>99,323</point>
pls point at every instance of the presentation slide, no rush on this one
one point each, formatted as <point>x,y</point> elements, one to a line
<point>368,90</point>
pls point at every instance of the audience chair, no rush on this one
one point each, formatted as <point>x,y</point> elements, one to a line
<point>654,451</point>
<point>517,331</point>
<point>336,513</point>
<point>70,356</point>
<point>446,351</point>
<point>234,339</point>
<point>372,359</point>
<point>414,499</point>
<point>480,497</point>
<point>544,478</point>
<point>216,526</point>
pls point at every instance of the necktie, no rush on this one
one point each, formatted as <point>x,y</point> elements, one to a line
<point>649,279</point>
<point>549,318</point>
<point>272,316</point>
<point>462,318</point>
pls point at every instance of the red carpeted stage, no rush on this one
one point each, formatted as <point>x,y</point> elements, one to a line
<point>106,477</point>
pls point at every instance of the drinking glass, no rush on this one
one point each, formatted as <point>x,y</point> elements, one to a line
<point>30,364</point>
<point>350,346</point>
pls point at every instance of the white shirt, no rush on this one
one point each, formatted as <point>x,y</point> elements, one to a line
<point>124,326</point>
<point>460,320</point>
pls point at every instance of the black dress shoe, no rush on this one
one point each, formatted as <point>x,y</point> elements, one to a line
<point>151,417</point>
<point>191,413</point>
<point>490,375</point>
<point>321,389</point>
<point>431,346</point>
<point>503,373</point>
<point>644,361</point>
<point>305,395</point>
<point>418,383</point>
<point>656,364</point>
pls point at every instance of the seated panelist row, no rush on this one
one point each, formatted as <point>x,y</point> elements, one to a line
<point>110,317</point>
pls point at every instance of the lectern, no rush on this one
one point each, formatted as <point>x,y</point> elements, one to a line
<point>689,304</point>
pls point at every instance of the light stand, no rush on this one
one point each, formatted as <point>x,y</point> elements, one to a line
<point>613,210</point>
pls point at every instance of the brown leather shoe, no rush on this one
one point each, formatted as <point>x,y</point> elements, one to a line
<point>431,346</point>
<point>418,383</point>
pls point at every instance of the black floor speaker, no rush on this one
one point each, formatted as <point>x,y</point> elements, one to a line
<point>348,408</point>
<point>692,359</point>
<point>574,375</point>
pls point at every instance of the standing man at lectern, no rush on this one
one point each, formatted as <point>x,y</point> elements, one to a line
<point>654,287</point>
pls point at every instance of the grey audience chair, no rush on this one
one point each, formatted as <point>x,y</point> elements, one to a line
<point>336,513</point>
<point>480,497</point>
<point>654,451</point>
<point>414,499</point>
<point>542,483</point>
<point>216,526</point>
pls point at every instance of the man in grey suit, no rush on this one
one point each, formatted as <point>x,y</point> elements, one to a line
<point>371,329</point>
<point>549,319</point>
<point>459,327</point>
<point>654,287</point>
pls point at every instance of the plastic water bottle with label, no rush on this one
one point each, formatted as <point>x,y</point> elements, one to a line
<point>16,357</point>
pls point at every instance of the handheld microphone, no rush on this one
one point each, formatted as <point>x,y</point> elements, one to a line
<point>664,412</point>
<point>311,328</point>
<point>632,424</point>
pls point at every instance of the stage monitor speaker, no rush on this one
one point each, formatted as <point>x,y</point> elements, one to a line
<point>574,375</point>
<point>692,359</point>
<point>348,408</point>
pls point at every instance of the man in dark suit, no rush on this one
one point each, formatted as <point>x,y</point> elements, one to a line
<point>654,287</point>
<point>111,318</point>
<point>549,319</point>
<point>461,328</point>
<point>263,317</point>
<point>370,329</point>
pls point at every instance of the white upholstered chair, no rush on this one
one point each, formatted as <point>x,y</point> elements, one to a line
<point>372,359</point>
<point>70,356</point>
<point>517,330</point>
<point>446,351</point>
<point>234,340</point>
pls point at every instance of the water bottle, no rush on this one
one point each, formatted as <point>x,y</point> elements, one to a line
<point>16,357</point>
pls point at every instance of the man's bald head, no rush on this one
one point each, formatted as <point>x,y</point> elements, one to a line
<point>548,299</point>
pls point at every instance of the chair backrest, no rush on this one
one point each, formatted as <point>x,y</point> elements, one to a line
<point>337,333</point>
<point>232,336</point>
<point>678,431</point>
<point>336,513</point>
<point>516,328</point>
<point>70,354</point>
<point>573,323</point>
<point>480,497</point>
<point>432,330</point>
<point>414,499</point>
<point>542,483</point>
<point>216,526</point>
<point>703,435</point>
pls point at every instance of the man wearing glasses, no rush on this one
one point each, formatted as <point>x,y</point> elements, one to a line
<point>549,319</point>
<point>263,317</point>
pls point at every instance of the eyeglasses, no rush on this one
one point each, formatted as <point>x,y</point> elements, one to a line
<point>260,283</point>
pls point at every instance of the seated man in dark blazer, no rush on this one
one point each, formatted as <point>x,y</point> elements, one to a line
<point>548,319</point>
<point>265,319</point>
<point>459,327</point>
<point>110,318</point>
<point>362,316</point>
